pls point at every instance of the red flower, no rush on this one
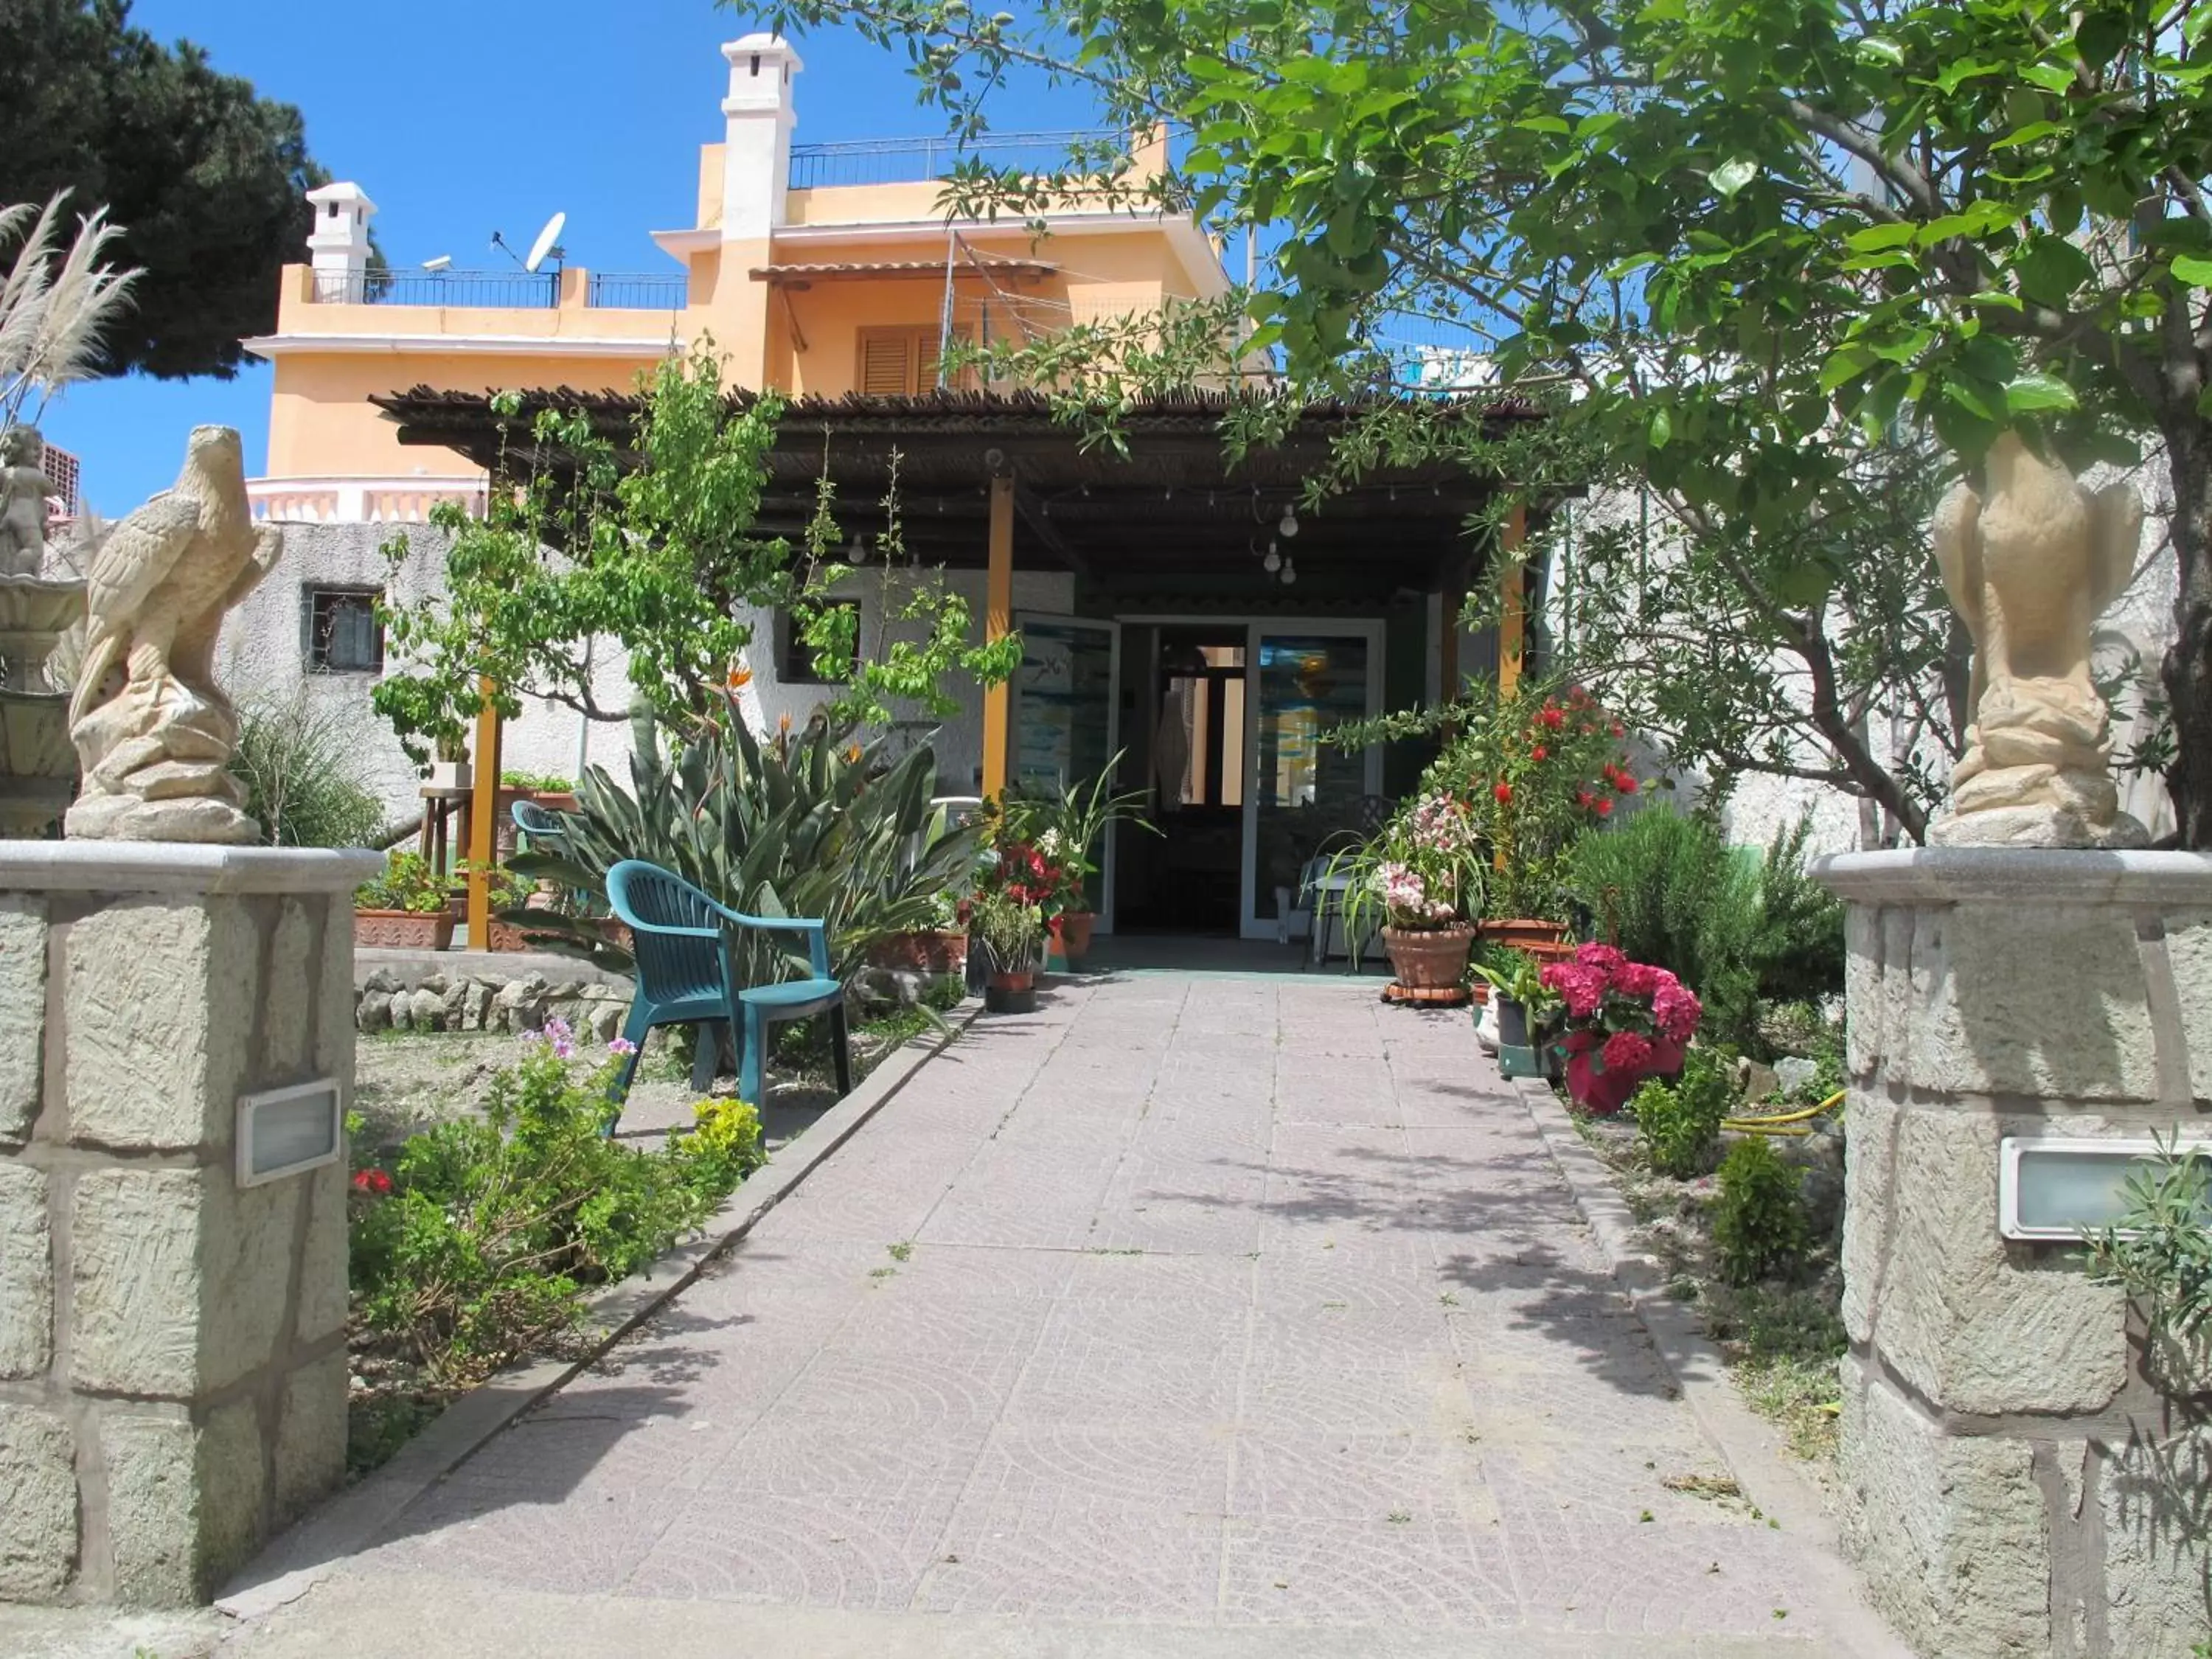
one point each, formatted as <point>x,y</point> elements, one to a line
<point>1626,1051</point>
<point>1551,717</point>
<point>1538,752</point>
<point>373,1181</point>
<point>1617,732</point>
<point>1504,793</point>
<point>1624,782</point>
<point>1603,808</point>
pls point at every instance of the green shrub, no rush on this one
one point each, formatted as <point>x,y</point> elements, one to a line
<point>2160,1252</point>
<point>302,780</point>
<point>408,884</point>
<point>1733,926</point>
<point>1759,1229</point>
<point>812,822</point>
<point>1681,1122</point>
<point>476,1246</point>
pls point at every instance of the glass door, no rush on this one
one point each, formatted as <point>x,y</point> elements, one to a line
<point>1303,797</point>
<point>1066,717</point>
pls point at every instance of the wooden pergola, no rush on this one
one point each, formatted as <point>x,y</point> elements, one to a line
<point>997,481</point>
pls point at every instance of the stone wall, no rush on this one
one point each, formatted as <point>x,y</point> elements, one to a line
<point>481,994</point>
<point>2019,1477</point>
<point>172,1364</point>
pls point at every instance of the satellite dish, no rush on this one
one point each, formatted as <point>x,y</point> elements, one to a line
<point>544,244</point>
<point>443,262</point>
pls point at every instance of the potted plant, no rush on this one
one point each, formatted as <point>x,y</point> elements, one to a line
<point>1424,872</point>
<point>1625,1021</point>
<point>1523,1004</point>
<point>511,896</point>
<point>404,908</point>
<point>451,770</point>
<point>1069,832</point>
<point>555,794</point>
<point>938,948</point>
<point>1010,936</point>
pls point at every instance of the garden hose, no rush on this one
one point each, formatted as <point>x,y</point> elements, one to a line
<point>1778,1124</point>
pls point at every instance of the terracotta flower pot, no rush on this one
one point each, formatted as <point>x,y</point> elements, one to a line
<point>1603,1089</point>
<point>930,951</point>
<point>1522,933</point>
<point>1429,958</point>
<point>1011,993</point>
<point>1075,928</point>
<point>404,930</point>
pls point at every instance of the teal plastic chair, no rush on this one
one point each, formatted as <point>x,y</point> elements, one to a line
<point>687,975</point>
<point>542,827</point>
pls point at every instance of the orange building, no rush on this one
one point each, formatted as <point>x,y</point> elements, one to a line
<point>1178,610</point>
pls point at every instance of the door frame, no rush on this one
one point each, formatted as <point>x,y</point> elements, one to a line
<point>1371,629</point>
<point>1112,628</point>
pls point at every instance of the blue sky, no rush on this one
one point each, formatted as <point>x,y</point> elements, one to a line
<point>463,117</point>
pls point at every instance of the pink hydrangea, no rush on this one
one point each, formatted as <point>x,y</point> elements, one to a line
<point>1626,1051</point>
<point>1581,989</point>
<point>1637,978</point>
<point>1603,957</point>
<point>1676,1010</point>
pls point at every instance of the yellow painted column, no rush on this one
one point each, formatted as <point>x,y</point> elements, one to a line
<point>484,821</point>
<point>1512,622</point>
<point>998,623</point>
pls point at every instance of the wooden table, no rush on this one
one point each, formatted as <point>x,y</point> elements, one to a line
<point>438,805</point>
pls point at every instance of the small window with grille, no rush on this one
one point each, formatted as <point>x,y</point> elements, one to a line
<point>340,629</point>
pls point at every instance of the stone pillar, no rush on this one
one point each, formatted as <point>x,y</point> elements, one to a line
<point>2015,1482</point>
<point>172,1364</point>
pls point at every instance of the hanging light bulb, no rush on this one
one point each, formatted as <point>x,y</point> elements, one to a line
<point>1290,524</point>
<point>1273,562</point>
<point>1289,573</point>
<point>857,552</point>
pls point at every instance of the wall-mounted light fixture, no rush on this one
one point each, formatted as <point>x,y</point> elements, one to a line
<point>2054,1186</point>
<point>283,1132</point>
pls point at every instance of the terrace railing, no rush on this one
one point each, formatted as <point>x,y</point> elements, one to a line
<point>511,290</point>
<point>916,161</point>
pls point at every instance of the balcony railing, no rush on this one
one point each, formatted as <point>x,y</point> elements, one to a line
<point>404,500</point>
<point>916,161</point>
<point>656,293</point>
<point>509,290</point>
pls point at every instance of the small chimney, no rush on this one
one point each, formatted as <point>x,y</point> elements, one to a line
<point>338,244</point>
<point>759,118</point>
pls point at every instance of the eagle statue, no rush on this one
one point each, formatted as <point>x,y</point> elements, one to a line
<point>153,731</point>
<point>2029,567</point>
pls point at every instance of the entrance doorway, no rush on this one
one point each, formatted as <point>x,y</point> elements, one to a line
<point>1225,720</point>
<point>1187,878</point>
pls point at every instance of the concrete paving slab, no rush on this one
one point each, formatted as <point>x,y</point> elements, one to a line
<point>1045,1361</point>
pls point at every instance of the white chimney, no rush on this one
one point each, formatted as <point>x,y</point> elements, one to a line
<point>338,244</point>
<point>757,143</point>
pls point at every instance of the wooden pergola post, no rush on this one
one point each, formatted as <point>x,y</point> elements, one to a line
<point>1512,622</point>
<point>998,623</point>
<point>483,819</point>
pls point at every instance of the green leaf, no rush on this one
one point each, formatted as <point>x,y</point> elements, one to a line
<point>1662,429</point>
<point>2038,390</point>
<point>2193,271</point>
<point>1730,177</point>
<point>1874,49</point>
<point>2050,76</point>
<point>1875,238</point>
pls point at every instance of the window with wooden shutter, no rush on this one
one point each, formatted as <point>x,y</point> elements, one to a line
<point>897,362</point>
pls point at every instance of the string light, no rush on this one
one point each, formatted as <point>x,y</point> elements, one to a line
<point>1290,524</point>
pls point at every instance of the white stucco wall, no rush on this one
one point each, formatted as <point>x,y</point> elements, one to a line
<point>1759,806</point>
<point>262,657</point>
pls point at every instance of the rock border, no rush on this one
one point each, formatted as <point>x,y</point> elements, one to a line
<point>296,1560</point>
<point>1748,1444</point>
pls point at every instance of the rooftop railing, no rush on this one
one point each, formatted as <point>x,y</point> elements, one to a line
<point>510,290</point>
<point>916,160</point>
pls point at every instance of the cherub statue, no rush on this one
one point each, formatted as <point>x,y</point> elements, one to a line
<point>154,731</point>
<point>2030,568</point>
<point>23,491</point>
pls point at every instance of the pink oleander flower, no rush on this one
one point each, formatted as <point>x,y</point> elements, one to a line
<point>1626,1051</point>
<point>622,1046</point>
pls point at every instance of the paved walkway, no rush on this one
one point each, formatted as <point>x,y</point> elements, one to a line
<point>1188,1303</point>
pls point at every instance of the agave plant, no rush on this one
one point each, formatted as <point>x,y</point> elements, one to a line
<point>814,823</point>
